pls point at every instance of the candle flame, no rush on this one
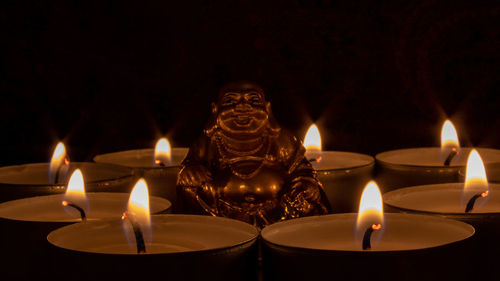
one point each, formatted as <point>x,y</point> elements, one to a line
<point>58,163</point>
<point>76,185</point>
<point>162,152</point>
<point>370,208</point>
<point>138,204</point>
<point>475,174</point>
<point>312,140</point>
<point>449,137</point>
<point>75,192</point>
<point>136,219</point>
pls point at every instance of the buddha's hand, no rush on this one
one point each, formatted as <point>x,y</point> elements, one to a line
<point>303,199</point>
<point>195,175</point>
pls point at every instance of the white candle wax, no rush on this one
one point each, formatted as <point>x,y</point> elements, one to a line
<point>336,232</point>
<point>33,179</point>
<point>418,166</point>
<point>170,234</point>
<point>343,175</point>
<point>339,160</point>
<point>443,198</point>
<point>49,208</point>
<point>161,179</point>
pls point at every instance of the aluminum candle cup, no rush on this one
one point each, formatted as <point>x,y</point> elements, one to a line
<point>445,200</point>
<point>25,224</point>
<point>161,179</point>
<point>413,247</point>
<point>183,247</point>
<point>343,175</point>
<point>33,179</point>
<point>419,166</point>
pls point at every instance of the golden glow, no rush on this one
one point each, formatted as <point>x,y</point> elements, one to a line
<point>162,152</point>
<point>475,175</point>
<point>312,140</point>
<point>75,190</point>
<point>138,204</point>
<point>370,207</point>
<point>449,138</point>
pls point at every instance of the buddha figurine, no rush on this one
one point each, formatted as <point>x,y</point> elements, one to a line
<point>246,167</point>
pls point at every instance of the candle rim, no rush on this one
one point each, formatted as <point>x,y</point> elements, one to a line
<point>126,171</point>
<point>453,166</point>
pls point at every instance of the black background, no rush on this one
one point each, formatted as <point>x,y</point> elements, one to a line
<point>375,75</point>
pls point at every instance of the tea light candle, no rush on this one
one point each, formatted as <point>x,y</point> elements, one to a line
<point>158,166</point>
<point>319,247</point>
<point>419,166</point>
<point>343,174</point>
<point>183,247</point>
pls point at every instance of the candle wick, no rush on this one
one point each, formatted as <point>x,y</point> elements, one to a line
<point>316,159</point>
<point>368,234</point>
<point>450,157</point>
<point>472,201</point>
<point>139,238</point>
<point>160,163</point>
<point>78,208</point>
<point>58,171</point>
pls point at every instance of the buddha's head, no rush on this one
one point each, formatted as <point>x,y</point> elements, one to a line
<point>242,109</point>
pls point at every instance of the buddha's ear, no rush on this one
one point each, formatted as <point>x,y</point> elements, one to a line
<point>274,128</point>
<point>214,108</point>
<point>211,125</point>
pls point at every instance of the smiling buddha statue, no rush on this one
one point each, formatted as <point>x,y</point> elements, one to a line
<point>246,167</point>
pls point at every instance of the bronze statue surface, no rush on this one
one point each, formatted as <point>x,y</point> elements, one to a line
<point>246,167</point>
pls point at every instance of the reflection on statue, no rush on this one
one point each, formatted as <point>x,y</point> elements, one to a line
<point>245,167</point>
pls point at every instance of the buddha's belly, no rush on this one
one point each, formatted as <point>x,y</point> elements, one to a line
<point>263,187</point>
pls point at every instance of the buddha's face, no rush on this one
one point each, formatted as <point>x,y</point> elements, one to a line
<point>242,111</point>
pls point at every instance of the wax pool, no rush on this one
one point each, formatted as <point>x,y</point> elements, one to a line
<point>49,208</point>
<point>419,166</point>
<point>411,248</point>
<point>183,247</point>
<point>161,179</point>
<point>343,175</point>
<point>442,198</point>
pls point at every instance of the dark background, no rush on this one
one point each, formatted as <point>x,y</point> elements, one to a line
<point>375,75</point>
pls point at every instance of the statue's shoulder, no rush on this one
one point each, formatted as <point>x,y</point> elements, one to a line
<point>286,138</point>
<point>200,149</point>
